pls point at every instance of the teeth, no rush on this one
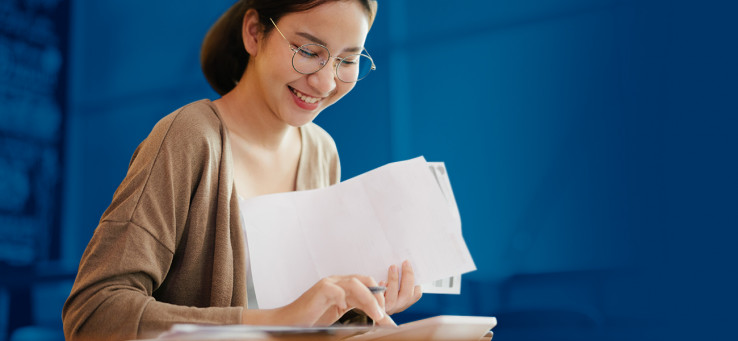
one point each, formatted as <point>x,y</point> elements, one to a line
<point>306,99</point>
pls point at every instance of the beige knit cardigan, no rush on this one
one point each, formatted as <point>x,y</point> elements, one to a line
<point>170,247</point>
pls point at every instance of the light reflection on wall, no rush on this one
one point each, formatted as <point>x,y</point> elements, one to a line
<point>33,37</point>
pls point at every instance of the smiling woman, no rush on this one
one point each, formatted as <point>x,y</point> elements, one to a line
<point>293,97</point>
<point>171,247</point>
<point>223,57</point>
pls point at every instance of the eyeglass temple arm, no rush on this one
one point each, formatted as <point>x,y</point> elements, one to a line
<point>374,67</point>
<point>280,33</point>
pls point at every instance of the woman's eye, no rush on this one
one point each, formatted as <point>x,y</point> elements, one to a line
<point>351,61</point>
<point>306,53</point>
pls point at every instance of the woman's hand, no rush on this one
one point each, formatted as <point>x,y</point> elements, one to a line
<point>330,298</point>
<point>400,295</point>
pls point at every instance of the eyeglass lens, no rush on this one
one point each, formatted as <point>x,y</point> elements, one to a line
<point>310,58</point>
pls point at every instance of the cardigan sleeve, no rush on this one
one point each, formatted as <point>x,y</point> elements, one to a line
<point>133,248</point>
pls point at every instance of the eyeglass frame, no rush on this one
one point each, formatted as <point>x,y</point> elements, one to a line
<point>325,62</point>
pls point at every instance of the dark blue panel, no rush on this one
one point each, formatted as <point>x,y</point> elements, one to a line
<point>590,144</point>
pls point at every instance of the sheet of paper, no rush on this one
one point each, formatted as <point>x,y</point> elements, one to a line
<point>359,226</point>
<point>450,285</point>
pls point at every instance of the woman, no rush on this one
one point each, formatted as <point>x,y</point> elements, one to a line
<point>171,247</point>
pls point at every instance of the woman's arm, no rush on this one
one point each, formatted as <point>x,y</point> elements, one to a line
<point>112,296</point>
<point>165,251</point>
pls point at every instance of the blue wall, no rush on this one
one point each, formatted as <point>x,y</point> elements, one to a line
<point>591,146</point>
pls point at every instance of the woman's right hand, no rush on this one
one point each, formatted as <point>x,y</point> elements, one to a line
<point>326,301</point>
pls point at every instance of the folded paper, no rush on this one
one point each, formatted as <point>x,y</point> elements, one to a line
<point>359,226</point>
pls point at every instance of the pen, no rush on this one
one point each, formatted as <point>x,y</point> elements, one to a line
<point>377,289</point>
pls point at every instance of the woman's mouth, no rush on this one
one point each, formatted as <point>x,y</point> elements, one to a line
<point>303,97</point>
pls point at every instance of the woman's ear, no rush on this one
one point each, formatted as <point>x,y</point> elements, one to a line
<point>251,31</point>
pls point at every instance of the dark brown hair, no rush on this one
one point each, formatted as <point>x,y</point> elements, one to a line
<point>223,57</point>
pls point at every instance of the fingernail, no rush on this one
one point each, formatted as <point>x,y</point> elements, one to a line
<point>379,313</point>
<point>391,321</point>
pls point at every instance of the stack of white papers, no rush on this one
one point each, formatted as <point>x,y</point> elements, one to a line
<point>359,226</point>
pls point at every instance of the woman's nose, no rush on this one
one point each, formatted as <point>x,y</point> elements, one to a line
<point>324,80</point>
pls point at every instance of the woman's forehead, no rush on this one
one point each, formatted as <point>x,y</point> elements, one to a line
<point>341,23</point>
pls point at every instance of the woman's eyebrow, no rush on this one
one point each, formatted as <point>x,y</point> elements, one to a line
<point>315,39</point>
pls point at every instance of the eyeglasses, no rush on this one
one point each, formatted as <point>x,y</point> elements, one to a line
<point>311,58</point>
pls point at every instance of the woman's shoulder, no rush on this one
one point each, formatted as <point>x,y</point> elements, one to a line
<point>321,156</point>
<point>192,130</point>
<point>318,137</point>
<point>196,119</point>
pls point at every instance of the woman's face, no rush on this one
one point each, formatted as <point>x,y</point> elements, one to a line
<point>295,98</point>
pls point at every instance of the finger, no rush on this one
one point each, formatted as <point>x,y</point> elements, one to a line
<point>380,298</point>
<point>417,293</point>
<point>333,293</point>
<point>387,321</point>
<point>393,286</point>
<point>359,296</point>
<point>407,285</point>
<point>366,280</point>
<point>382,294</point>
<point>322,299</point>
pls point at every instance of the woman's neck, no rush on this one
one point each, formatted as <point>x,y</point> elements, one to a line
<point>249,120</point>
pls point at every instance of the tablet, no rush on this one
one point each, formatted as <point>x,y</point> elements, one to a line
<point>444,327</point>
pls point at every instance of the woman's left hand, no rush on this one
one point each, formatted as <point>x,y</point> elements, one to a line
<point>400,295</point>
